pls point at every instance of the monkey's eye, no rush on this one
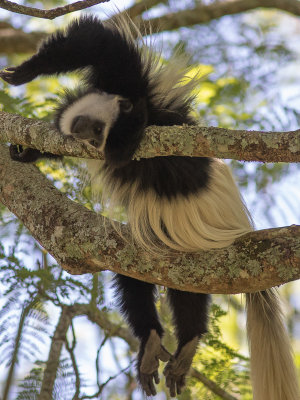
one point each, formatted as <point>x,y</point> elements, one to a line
<point>125,105</point>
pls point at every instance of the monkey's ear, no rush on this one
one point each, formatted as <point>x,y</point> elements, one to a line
<point>125,105</point>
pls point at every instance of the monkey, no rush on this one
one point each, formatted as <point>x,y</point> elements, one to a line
<point>173,203</point>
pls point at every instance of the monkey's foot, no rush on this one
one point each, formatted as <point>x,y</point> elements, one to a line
<point>149,362</point>
<point>17,76</point>
<point>178,366</point>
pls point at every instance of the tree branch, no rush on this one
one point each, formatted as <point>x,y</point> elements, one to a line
<point>194,141</point>
<point>14,40</point>
<point>57,342</point>
<point>83,243</point>
<point>206,13</point>
<point>49,14</point>
<point>138,8</point>
<point>211,385</point>
<point>111,329</point>
<point>201,14</point>
<point>15,354</point>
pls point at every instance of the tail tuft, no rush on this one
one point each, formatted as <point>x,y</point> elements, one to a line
<point>273,372</point>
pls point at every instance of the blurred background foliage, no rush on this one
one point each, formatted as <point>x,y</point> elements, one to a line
<point>249,65</point>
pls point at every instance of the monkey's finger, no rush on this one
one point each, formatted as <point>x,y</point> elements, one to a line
<point>179,384</point>
<point>144,384</point>
<point>151,386</point>
<point>147,384</point>
<point>172,387</point>
<point>170,383</point>
<point>156,377</point>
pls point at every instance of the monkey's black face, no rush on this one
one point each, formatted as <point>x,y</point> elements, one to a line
<point>86,128</point>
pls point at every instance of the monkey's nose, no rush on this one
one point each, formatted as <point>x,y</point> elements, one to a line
<point>95,143</point>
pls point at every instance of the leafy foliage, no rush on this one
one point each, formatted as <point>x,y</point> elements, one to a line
<point>31,385</point>
<point>222,363</point>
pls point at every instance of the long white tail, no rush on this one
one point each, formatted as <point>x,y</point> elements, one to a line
<point>273,372</point>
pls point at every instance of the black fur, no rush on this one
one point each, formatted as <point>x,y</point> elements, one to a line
<point>28,155</point>
<point>189,314</point>
<point>168,176</point>
<point>136,300</point>
<point>115,66</point>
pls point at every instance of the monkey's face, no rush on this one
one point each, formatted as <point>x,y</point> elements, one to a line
<point>89,117</point>
<point>94,127</point>
<point>108,122</point>
<point>86,128</point>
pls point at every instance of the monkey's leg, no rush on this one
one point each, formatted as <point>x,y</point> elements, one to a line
<point>137,303</point>
<point>65,50</point>
<point>190,318</point>
<point>85,42</point>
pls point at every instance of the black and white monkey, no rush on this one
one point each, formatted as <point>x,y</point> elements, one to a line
<point>178,203</point>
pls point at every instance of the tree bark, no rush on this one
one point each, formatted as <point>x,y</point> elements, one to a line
<point>52,364</point>
<point>14,40</point>
<point>194,141</point>
<point>206,13</point>
<point>168,22</point>
<point>49,14</point>
<point>82,242</point>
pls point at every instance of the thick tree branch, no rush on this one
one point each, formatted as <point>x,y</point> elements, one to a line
<point>48,14</point>
<point>206,13</point>
<point>83,243</point>
<point>14,40</point>
<point>10,43</point>
<point>139,7</point>
<point>195,141</point>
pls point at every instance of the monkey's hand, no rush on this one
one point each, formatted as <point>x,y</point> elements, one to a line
<point>28,155</point>
<point>148,364</point>
<point>17,153</point>
<point>17,75</point>
<point>178,366</point>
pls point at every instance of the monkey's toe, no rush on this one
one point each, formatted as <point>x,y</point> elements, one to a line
<point>178,367</point>
<point>16,76</point>
<point>148,364</point>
